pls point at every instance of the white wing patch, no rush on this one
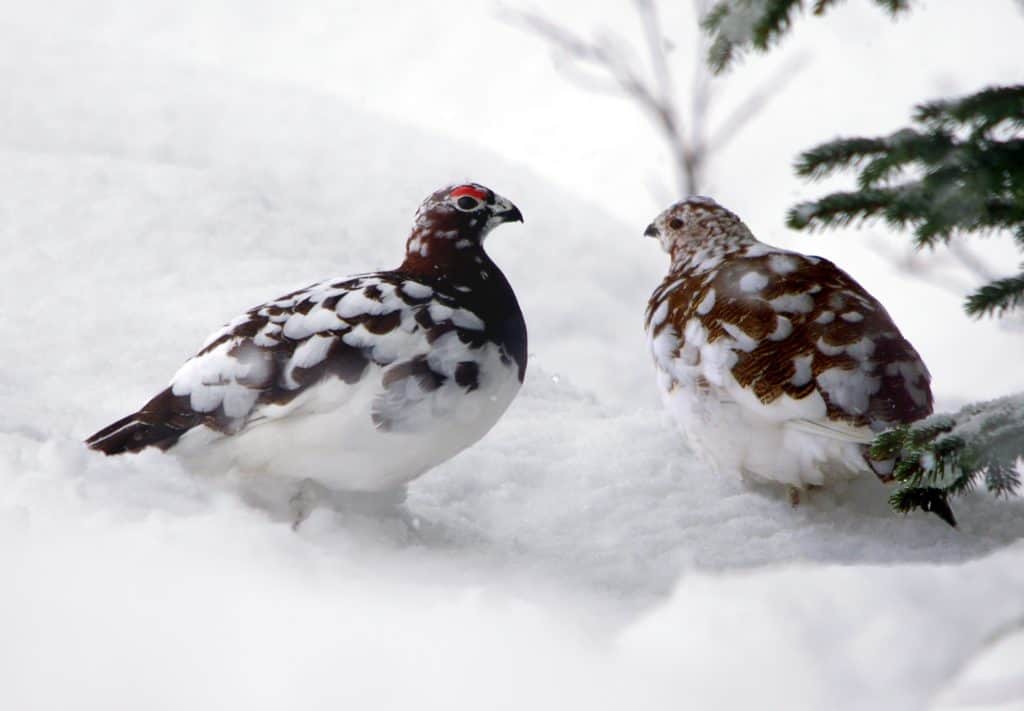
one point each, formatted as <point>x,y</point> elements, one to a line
<point>793,303</point>
<point>300,326</point>
<point>752,282</point>
<point>849,389</point>
<point>287,338</point>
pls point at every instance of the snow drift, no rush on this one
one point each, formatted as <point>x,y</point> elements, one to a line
<point>578,557</point>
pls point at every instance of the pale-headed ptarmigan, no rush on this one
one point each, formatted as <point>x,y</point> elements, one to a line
<point>777,366</point>
<point>358,384</point>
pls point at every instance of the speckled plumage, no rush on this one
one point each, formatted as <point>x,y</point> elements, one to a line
<point>777,365</point>
<point>361,383</point>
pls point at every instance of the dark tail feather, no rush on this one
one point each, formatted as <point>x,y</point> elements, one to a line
<point>129,434</point>
<point>114,438</point>
<point>159,423</point>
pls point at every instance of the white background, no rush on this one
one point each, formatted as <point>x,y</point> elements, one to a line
<point>164,165</point>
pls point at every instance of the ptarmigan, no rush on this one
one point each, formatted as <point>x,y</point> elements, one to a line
<point>777,365</point>
<point>358,384</point>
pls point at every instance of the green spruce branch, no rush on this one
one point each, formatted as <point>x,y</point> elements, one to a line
<point>998,297</point>
<point>946,455</point>
<point>959,170</point>
<point>736,25</point>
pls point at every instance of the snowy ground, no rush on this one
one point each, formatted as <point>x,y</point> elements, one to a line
<point>160,171</point>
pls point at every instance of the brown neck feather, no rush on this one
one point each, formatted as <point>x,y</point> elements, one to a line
<point>457,265</point>
<point>442,245</point>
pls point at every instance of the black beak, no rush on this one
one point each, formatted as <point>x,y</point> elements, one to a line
<point>503,210</point>
<point>651,231</point>
<point>511,214</point>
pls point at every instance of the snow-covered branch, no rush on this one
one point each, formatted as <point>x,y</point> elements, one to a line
<point>948,454</point>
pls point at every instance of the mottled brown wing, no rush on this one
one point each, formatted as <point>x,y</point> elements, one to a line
<point>801,324</point>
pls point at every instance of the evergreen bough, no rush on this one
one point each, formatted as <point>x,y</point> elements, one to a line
<point>958,169</point>
<point>945,455</point>
<point>735,25</point>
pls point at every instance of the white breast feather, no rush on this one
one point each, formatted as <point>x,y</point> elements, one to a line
<point>788,440</point>
<point>327,433</point>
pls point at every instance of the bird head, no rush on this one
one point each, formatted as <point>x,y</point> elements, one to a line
<point>464,213</point>
<point>696,224</point>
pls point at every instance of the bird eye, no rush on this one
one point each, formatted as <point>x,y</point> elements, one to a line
<point>675,223</point>
<point>467,203</point>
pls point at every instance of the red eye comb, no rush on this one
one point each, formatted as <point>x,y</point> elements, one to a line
<point>469,190</point>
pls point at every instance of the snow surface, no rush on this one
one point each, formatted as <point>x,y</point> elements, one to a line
<point>578,557</point>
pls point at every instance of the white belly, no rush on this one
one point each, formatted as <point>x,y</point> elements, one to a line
<point>741,437</point>
<point>327,434</point>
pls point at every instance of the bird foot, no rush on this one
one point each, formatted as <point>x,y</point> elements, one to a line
<point>380,507</point>
<point>304,500</point>
<point>794,496</point>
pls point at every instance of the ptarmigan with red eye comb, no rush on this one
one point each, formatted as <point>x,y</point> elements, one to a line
<point>358,384</point>
<point>777,365</point>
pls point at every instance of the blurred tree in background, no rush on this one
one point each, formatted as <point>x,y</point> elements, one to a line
<point>957,170</point>
<point>736,25</point>
<point>644,69</point>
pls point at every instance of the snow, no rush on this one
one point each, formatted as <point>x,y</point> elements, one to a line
<point>161,171</point>
<point>993,680</point>
<point>993,428</point>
